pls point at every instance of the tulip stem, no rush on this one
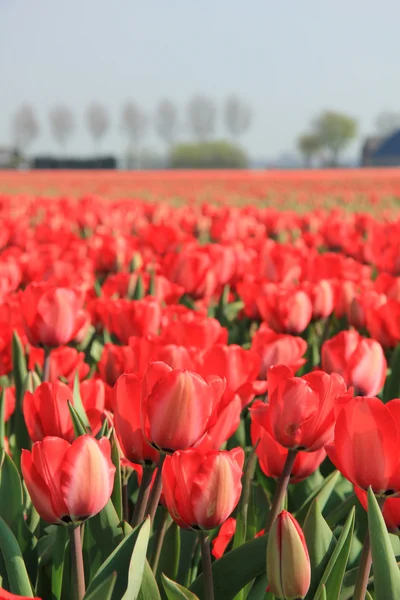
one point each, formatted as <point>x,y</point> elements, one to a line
<point>156,491</point>
<point>143,496</point>
<point>46,365</point>
<point>78,573</point>
<point>159,540</point>
<point>206,564</point>
<point>364,569</point>
<point>281,489</point>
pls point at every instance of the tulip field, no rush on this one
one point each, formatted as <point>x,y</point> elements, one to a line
<point>200,385</point>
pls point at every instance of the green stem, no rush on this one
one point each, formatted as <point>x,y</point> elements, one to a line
<point>364,569</point>
<point>143,496</point>
<point>78,573</point>
<point>159,540</point>
<point>206,564</point>
<point>46,365</point>
<point>281,489</point>
<point>156,491</point>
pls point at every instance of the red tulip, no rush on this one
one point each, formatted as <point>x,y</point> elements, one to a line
<point>286,310</point>
<point>225,534</point>
<point>202,489</point>
<point>126,318</point>
<point>278,348</point>
<point>272,456</point>
<point>46,412</point>
<point>4,595</point>
<point>360,361</point>
<point>10,402</point>
<point>288,561</point>
<point>68,482</point>
<point>52,316</point>
<point>114,361</point>
<point>322,296</point>
<point>127,395</point>
<point>178,407</point>
<point>93,396</point>
<point>64,362</point>
<point>194,330</point>
<point>302,409</point>
<point>366,442</point>
<point>383,323</point>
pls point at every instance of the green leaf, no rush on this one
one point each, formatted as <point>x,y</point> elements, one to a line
<point>2,423</point>
<point>335,569</point>
<point>392,384</point>
<point>322,494</point>
<point>18,426</point>
<point>175,591</point>
<point>149,589</point>
<point>102,534</point>
<point>258,590</point>
<point>119,561</point>
<point>139,291</point>
<point>17,575</point>
<point>320,543</point>
<point>235,569</point>
<point>78,405</point>
<point>241,520</point>
<point>170,553</point>
<point>78,424</point>
<point>386,571</point>
<point>137,562</point>
<point>323,595</point>
<point>57,567</point>
<point>20,370</point>
<point>104,590</point>
<point>116,496</point>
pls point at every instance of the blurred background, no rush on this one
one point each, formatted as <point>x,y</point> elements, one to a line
<point>211,84</point>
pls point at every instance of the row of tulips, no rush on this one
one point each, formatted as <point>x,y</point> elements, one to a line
<point>185,417</point>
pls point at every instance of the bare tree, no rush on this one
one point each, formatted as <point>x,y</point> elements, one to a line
<point>62,124</point>
<point>237,116</point>
<point>166,121</point>
<point>25,127</point>
<point>134,123</point>
<point>387,122</point>
<point>98,122</point>
<point>201,114</point>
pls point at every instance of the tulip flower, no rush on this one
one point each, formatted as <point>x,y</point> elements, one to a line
<point>302,409</point>
<point>127,395</point>
<point>222,540</point>
<point>126,318</point>
<point>52,316</point>
<point>4,595</point>
<point>10,402</point>
<point>64,362</point>
<point>68,483</point>
<point>178,407</point>
<point>278,349</point>
<point>194,330</point>
<point>286,310</point>
<point>288,561</point>
<point>360,361</point>
<point>366,442</point>
<point>272,456</point>
<point>202,489</point>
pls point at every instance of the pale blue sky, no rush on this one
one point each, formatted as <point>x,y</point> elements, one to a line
<point>289,59</point>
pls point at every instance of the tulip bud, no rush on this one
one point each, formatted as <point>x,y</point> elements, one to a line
<point>288,562</point>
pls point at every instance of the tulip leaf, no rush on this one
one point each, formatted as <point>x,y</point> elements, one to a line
<point>139,291</point>
<point>170,553</point>
<point>322,494</point>
<point>116,496</point>
<point>57,567</point>
<point>241,520</point>
<point>102,534</point>
<point>320,543</point>
<point>20,370</point>
<point>235,569</point>
<point>323,595</point>
<point>17,576</point>
<point>137,562</point>
<point>392,384</point>
<point>333,575</point>
<point>258,590</point>
<point>78,405</point>
<point>149,589</point>
<point>78,424</point>
<point>385,568</point>
<point>104,590</point>
<point>2,411</point>
<point>18,425</point>
<point>175,591</point>
<point>119,561</point>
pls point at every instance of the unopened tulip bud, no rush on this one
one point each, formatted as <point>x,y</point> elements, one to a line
<point>288,562</point>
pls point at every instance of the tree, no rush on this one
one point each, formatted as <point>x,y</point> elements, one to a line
<point>201,115</point>
<point>387,122</point>
<point>309,146</point>
<point>237,116</point>
<point>166,121</point>
<point>62,124</point>
<point>98,122</point>
<point>134,125</point>
<point>207,155</point>
<point>335,131</point>
<point>25,127</point>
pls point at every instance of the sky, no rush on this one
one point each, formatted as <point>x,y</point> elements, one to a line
<point>288,59</point>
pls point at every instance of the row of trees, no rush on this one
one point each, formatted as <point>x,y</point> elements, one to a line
<point>200,122</point>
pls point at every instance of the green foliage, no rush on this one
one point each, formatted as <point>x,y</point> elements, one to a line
<point>207,155</point>
<point>334,131</point>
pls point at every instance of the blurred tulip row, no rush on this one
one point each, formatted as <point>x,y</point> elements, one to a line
<point>199,402</point>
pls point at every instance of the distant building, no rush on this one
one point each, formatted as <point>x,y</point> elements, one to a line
<point>10,158</point>
<point>382,152</point>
